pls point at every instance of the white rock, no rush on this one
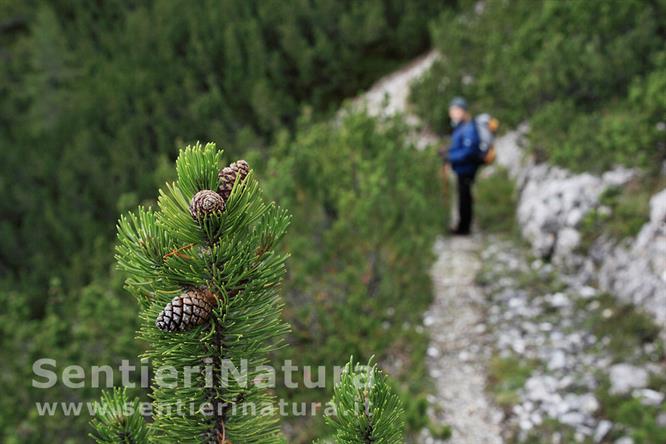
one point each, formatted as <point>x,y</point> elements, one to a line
<point>567,241</point>
<point>649,397</point>
<point>661,419</point>
<point>516,302</point>
<point>574,217</point>
<point>573,419</point>
<point>625,440</point>
<point>559,300</point>
<point>545,326</point>
<point>626,377</point>
<point>587,292</point>
<point>525,424</point>
<point>557,360</point>
<point>619,176</point>
<point>518,346</point>
<point>540,388</point>
<point>602,430</point>
<point>588,403</point>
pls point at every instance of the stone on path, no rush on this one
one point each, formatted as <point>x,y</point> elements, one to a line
<point>457,334</point>
<point>626,377</point>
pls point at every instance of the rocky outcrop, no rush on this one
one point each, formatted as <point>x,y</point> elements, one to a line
<point>540,319</point>
<point>637,271</point>
<point>551,206</point>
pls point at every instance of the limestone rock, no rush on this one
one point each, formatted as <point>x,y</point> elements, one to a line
<point>626,377</point>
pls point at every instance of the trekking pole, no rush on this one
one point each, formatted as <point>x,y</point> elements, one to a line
<point>444,172</point>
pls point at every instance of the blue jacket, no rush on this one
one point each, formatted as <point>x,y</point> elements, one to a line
<point>465,152</point>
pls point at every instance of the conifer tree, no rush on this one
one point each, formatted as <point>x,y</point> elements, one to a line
<point>366,408</point>
<point>205,272</point>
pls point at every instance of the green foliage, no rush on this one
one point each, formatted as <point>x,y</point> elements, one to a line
<point>442,432</point>
<point>506,376</point>
<point>589,75</point>
<point>96,98</point>
<point>98,93</point>
<point>495,198</point>
<point>119,420</point>
<point>635,419</point>
<point>367,207</point>
<point>625,327</point>
<point>366,408</point>
<point>416,411</point>
<point>89,327</point>
<point>223,252</point>
<point>621,213</point>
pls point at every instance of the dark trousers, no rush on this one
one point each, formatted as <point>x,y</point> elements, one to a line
<point>465,203</point>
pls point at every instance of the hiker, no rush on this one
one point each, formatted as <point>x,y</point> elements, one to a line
<point>465,157</point>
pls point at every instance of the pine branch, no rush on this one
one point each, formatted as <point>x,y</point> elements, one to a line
<point>119,421</point>
<point>221,251</point>
<point>367,409</point>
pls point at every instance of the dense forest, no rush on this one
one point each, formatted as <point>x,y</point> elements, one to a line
<point>97,98</point>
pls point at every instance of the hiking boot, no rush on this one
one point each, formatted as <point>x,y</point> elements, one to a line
<point>459,232</point>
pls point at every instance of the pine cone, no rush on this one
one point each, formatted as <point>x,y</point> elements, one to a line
<point>186,311</point>
<point>205,202</point>
<point>227,177</point>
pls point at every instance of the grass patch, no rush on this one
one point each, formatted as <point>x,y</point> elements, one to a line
<point>495,207</point>
<point>442,432</point>
<point>540,283</point>
<point>635,419</point>
<point>626,327</point>
<point>506,376</point>
<point>546,432</point>
<point>622,211</point>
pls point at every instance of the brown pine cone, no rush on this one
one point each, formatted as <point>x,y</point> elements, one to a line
<point>186,311</point>
<point>205,202</point>
<point>227,177</point>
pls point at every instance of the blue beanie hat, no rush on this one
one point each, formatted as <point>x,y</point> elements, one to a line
<point>458,102</point>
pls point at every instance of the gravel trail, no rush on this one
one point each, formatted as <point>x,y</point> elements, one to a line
<point>458,352</point>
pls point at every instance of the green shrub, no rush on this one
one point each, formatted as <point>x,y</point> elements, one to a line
<point>92,326</point>
<point>367,410</point>
<point>366,207</point>
<point>98,93</point>
<point>622,211</point>
<point>495,197</point>
<point>97,96</point>
<point>588,75</point>
<point>624,325</point>
<point>634,418</point>
<point>506,376</point>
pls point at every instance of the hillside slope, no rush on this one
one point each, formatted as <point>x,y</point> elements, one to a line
<point>563,350</point>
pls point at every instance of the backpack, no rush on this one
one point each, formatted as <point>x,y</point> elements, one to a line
<point>486,127</point>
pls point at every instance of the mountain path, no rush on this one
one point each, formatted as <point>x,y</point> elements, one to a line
<point>458,350</point>
<point>527,311</point>
<point>457,354</point>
